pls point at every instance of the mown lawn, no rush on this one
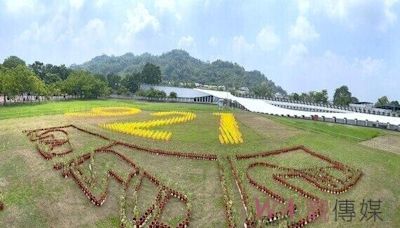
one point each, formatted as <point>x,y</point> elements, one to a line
<point>334,130</point>
<point>38,196</point>
<point>61,107</point>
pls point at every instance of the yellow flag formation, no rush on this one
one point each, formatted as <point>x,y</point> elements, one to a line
<point>143,128</point>
<point>229,132</point>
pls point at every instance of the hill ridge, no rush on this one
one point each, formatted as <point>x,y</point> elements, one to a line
<point>179,66</point>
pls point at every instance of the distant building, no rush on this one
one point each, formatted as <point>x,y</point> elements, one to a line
<point>362,105</point>
<point>279,95</point>
<point>242,91</point>
<point>188,93</point>
<point>214,87</point>
<point>210,87</point>
<point>368,107</point>
<point>187,84</point>
<point>391,107</point>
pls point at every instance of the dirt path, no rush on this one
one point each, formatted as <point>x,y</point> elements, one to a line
<point>266,127</point>
<point>389,143</point>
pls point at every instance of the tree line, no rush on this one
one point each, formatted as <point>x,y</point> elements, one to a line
<point>341,97</point>
<point>39,79</point>
<point>130,82</point>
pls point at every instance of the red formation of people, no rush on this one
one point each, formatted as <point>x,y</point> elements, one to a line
<point>317,177</point>
<point>52,142</point>
<point>48,139</point>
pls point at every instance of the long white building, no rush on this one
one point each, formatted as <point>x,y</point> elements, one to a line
<point>340,116</point>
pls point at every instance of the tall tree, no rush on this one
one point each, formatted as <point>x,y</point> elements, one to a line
<point>132,82</point>
<point>12,62</point>
<point>25,80</point>
<point>354,100</point>
<point>20,80</point>
<point>294,96</point>
<point>395,103</point>
<point>50,73</point>
<point>114,81</point>
<point>320,97</point>
<point>101,77</point>
<point>342,96</point>
<point>55,89</point>
<point>173,94</point>
<point>5,81</point>
<point>382,101</point>
<point>305,97</point>
<point>85,85</point>
<point>151,74</point>
<point>312,96</point>
<point>39,69</point>
<point>62,71</point>
<point>263,90</point>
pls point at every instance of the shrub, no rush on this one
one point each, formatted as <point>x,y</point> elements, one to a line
<point>154,93</point>
<point>173,95</point>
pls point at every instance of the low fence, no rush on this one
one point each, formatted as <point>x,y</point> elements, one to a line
<point>35,99</point>
<point>354,122</point>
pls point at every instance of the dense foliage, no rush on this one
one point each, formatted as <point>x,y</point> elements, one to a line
<point>178,66</point>
<point>50,73</point>
<point>19,80</point>
<point>12,62</point>
<point>38,79</point>
<point>384,101</point>
<point>342,96</point>
<point>151,74</point>
<point>312,96</point>
<point>173,95</point>
<point>131,82</point>
<point>85,85</point>
<point>153,93</point>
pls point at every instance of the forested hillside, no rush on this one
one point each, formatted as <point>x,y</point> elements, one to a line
<point>178,66</point>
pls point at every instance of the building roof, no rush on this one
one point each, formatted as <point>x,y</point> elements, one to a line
<point>394,107</point>
<point>362,102</point>
<point>180,92</point>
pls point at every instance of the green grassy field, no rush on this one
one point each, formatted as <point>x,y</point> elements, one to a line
<point>54,108</point>
<point>36,195</point>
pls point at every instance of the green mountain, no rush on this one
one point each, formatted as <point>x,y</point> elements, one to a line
<point>178,66</point>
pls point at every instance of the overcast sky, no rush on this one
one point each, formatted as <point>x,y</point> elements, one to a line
<point>301,45</point>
